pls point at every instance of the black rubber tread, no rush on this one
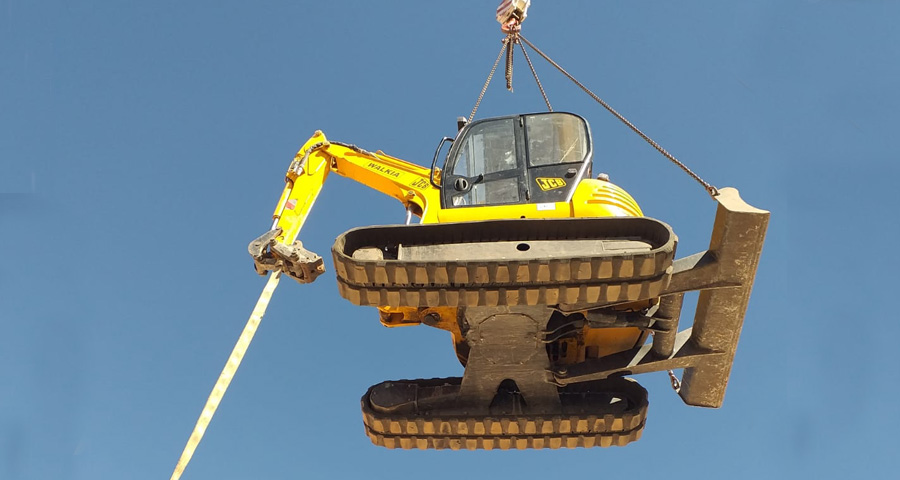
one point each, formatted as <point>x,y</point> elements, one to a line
<point>507,432</point>
<point>604,277</point>
<point>596,294</point>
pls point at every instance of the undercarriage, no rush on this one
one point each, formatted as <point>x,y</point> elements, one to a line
<point>520,288</point>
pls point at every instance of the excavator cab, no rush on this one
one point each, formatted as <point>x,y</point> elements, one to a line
<point>531,158</point>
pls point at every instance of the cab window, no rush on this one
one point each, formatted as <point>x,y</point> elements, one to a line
<point>555,139</point>
<point>489,149</point>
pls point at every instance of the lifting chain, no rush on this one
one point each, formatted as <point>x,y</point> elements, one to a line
<point>710,189</point>
<point>513,37</point>
<point>509,42</point>
<point>536,79</point>
<point>488,81</point>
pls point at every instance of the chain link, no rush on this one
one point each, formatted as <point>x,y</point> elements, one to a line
<point>676,384</point>
<point>710,189</point>
<point>510,50</point>
<point>536,79</point>
<point>488,81</point>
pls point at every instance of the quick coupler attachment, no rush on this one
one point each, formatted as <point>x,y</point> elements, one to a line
<point>293,260</point>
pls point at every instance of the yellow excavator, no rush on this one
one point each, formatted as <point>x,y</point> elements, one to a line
<point>553,285</point>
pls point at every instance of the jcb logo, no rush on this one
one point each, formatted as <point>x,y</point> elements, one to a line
<point>547,184</point>
<point>418,183</point>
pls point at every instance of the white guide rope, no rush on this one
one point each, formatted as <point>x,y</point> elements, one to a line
<point>234,361</point>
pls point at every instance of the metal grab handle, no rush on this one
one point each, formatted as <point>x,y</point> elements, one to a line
<point>434,161</point>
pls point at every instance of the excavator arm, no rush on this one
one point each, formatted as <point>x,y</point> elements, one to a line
<point>278,249</point>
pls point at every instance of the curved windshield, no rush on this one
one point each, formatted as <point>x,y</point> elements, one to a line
<point>555,138</point>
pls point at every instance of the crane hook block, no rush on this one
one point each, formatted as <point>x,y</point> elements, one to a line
<point>511,14</point>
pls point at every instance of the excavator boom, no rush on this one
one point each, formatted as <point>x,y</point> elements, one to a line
<point>278,248</point>
<point>405,181</point>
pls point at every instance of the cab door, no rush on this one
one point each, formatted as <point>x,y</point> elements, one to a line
<point>557,155</point>
<point>485,167</point>
<point>511,167</point>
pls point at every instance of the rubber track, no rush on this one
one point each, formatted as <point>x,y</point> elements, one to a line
<point>602,278</point>
<point>505,432</point>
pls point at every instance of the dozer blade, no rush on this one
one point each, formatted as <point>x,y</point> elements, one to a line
<point>597,261</point>
<point>724,275</point>
<point>426,414</point>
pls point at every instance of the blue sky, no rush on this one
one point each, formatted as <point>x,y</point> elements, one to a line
<point>143,145</point>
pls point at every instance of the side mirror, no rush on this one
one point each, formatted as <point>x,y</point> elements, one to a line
<point>434,161</point>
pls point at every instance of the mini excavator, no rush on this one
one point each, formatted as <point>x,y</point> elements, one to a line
<point>554,286</point>
<point>552,283</point>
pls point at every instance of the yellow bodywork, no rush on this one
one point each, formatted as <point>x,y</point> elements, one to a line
<point>411,185</point>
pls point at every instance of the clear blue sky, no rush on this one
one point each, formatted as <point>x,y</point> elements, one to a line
<point>143,144</point>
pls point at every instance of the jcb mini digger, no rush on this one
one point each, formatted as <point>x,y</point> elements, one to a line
<point>552,283</point>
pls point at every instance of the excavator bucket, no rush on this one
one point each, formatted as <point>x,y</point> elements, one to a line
<point>508,279</point>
